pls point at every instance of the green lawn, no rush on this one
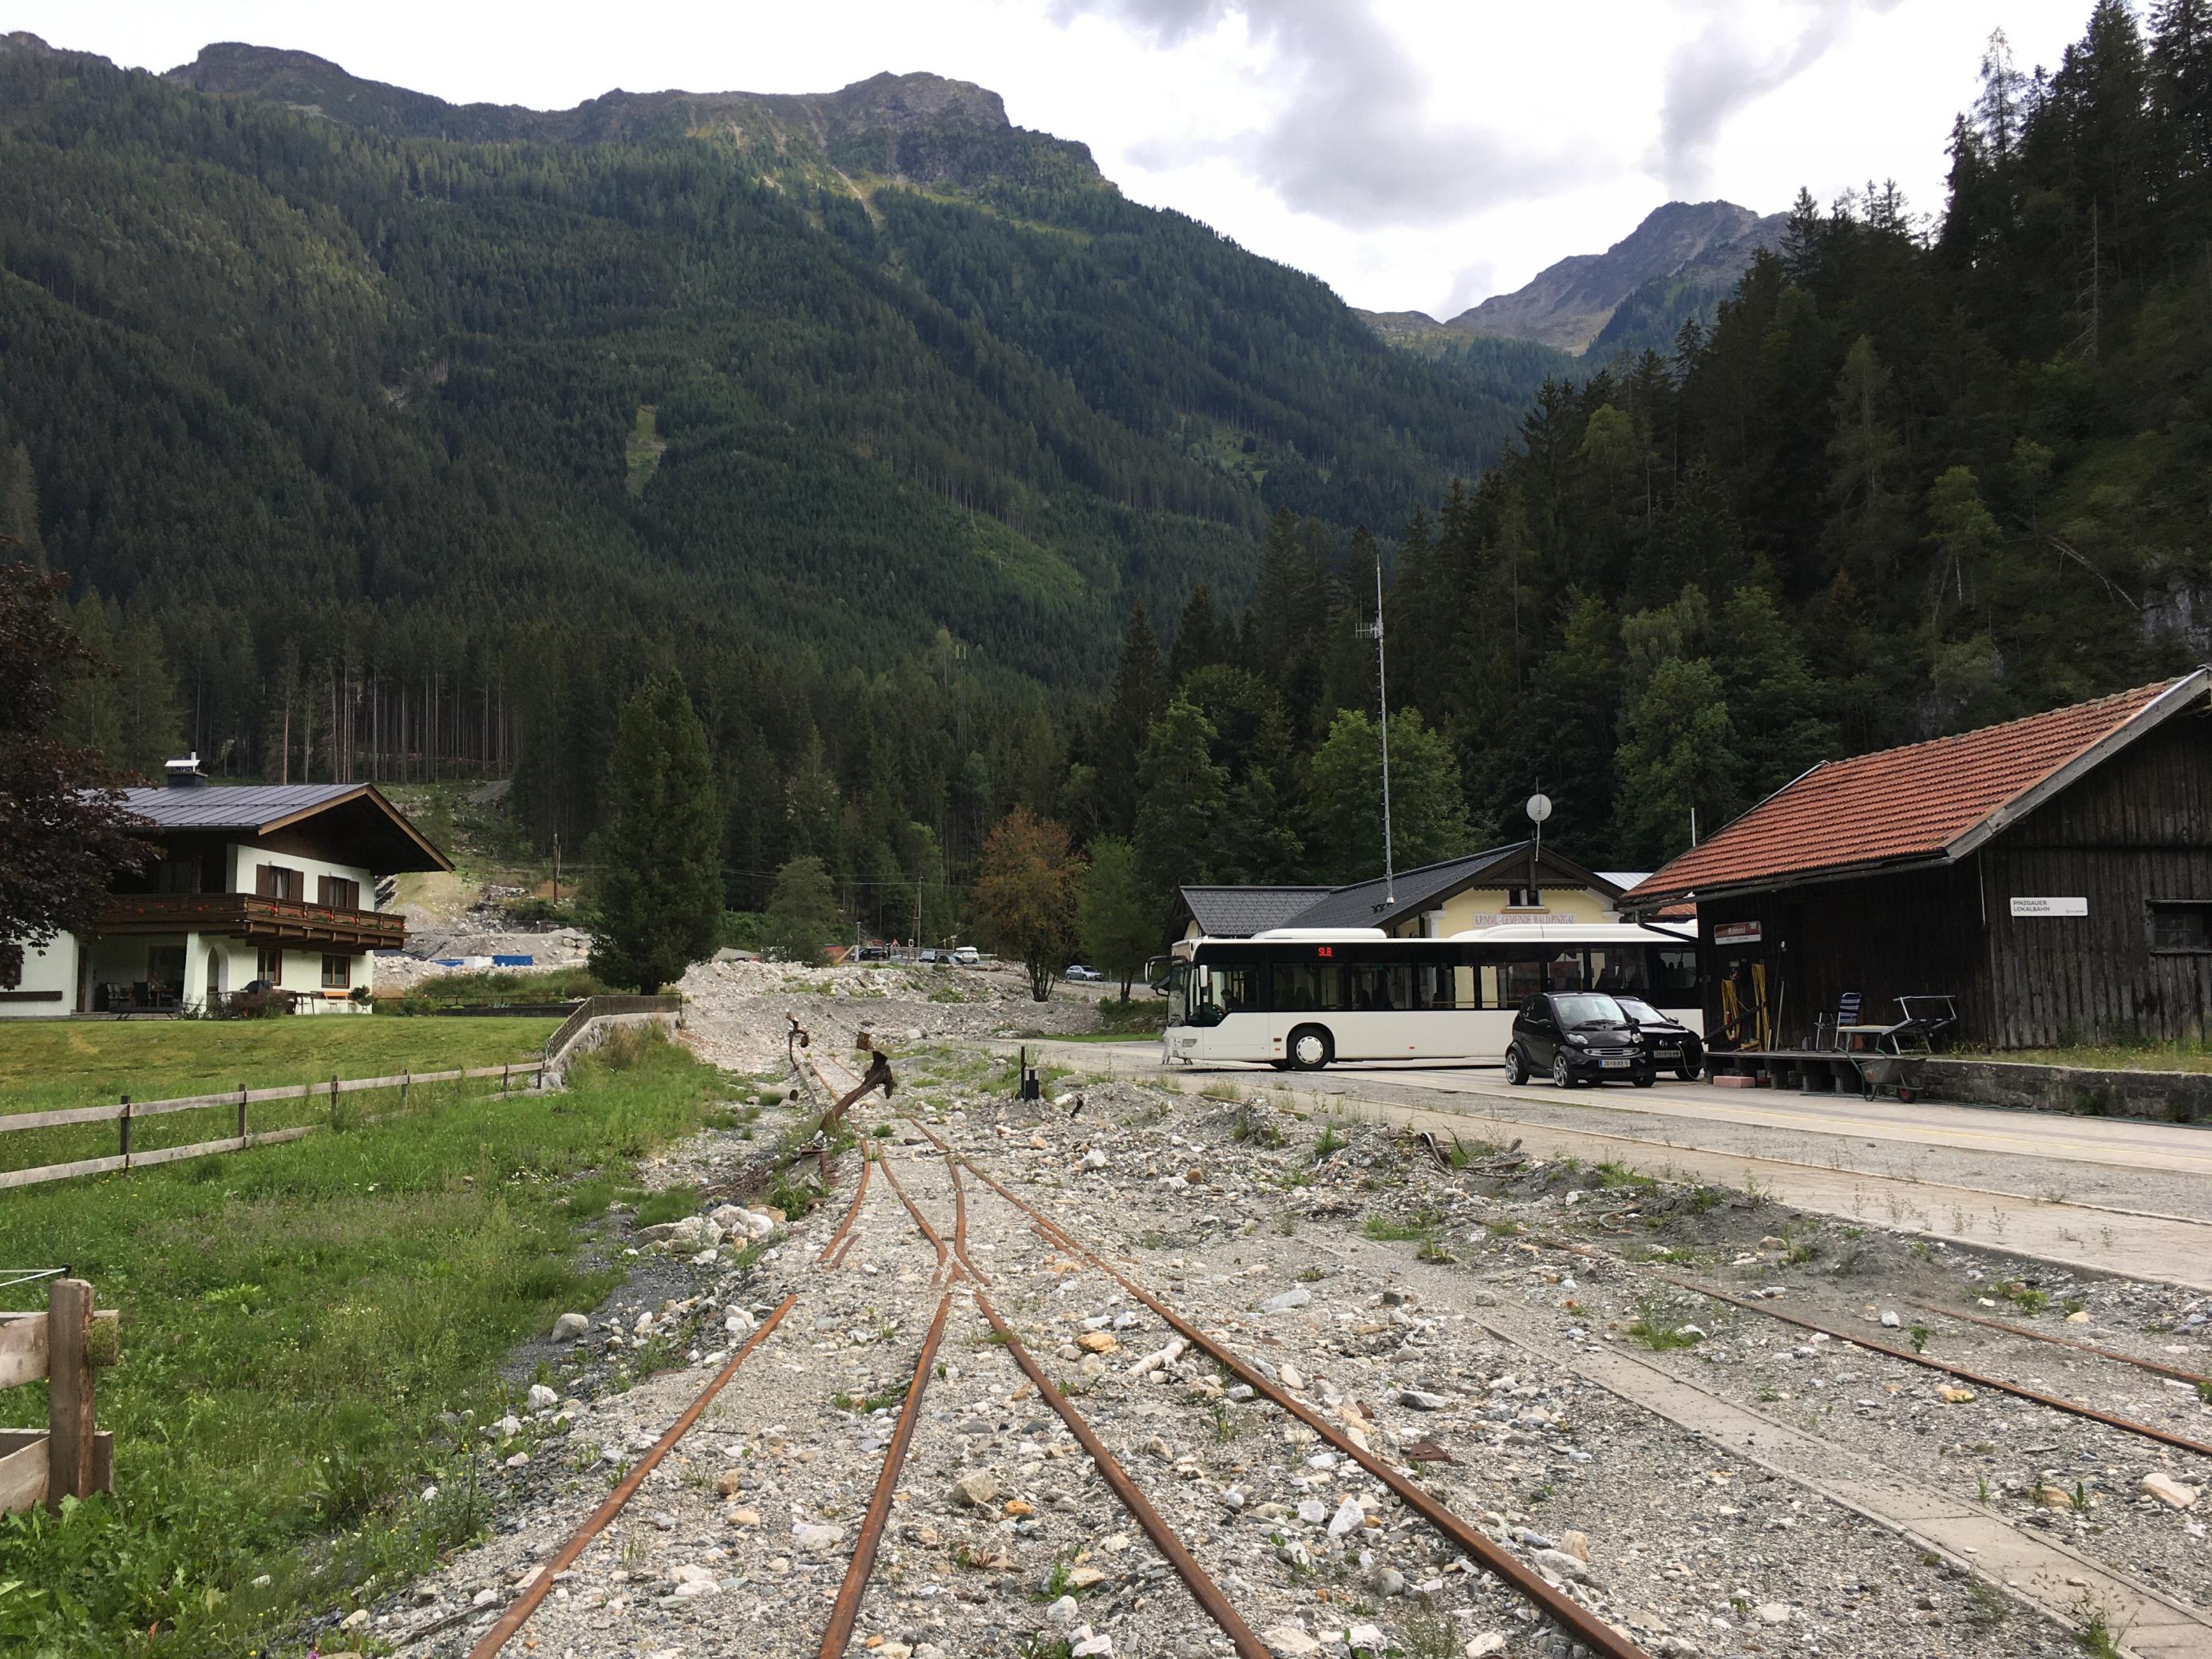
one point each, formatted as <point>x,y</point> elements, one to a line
<point>295,1319</point>
<point>81,1062</point>
<point>48,1064</point>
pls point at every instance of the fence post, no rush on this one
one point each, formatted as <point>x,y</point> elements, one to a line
<point>126,1121</point>
<point>404,1078</point>
<point>242,1113</point>
<point>334,1100</point>
<point>68,1398</point>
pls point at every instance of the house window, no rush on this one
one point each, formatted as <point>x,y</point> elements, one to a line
<point>276,881</point>
<point>1524,898</point>
<point>337,892</point>
<point>268,964</point>
<point>338,973</point>
<point>2181,924</point>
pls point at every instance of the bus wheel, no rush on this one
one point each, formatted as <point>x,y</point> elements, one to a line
<point>1310,1048</point>
<point>1517,1069</point>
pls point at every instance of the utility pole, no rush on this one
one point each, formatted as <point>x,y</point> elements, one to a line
<point>1382,702</point>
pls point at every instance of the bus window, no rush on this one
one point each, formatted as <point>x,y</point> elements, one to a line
<point>1509,984</point>
<point>1178,992</point>
<point>1383,988</point>
<point>1225,991</point>
<point>1440,985</point>
<point>1619,968</point>
<point>1305,986</point>
<point>1674,974</point>
<point>1565,973</point>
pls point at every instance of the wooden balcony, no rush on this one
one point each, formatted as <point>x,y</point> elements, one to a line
<point>272,921</point>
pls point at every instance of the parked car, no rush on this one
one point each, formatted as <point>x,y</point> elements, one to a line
<point>1577,1037</point>
<point>1671,1043</point>
<point>967,956</point>
<point>1079,973</point>
<point>873,953</point>
<point>934,955</point>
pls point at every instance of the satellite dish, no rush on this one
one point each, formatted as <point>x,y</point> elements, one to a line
<point>1539,808</point>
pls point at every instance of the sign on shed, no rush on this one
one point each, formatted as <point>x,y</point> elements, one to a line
<point>2050,906</point>
<point>1736,932</point>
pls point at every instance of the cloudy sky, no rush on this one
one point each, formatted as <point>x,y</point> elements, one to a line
<point>1416,154</point>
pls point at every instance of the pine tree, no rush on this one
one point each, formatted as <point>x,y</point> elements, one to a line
<point>1200,641</point>
<point>1181,794</point>
<point>659,907</point>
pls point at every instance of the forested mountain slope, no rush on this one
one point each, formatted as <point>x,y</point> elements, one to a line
<point>414,388</point>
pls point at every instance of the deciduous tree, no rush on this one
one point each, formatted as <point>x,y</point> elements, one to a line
<point>61,839</point>
<point>1428,812</point>
<point>1118,920</point>
<point>1029,890</point>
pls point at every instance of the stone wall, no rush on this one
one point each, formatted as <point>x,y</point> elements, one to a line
<point>2162,1096</point>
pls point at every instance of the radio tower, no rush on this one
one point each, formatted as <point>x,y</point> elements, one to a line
<point>1382,702</point>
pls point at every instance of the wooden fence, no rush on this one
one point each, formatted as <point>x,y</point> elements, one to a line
<point>127,1111</point>
<point>606,1007</point>
<point>71,1457</point>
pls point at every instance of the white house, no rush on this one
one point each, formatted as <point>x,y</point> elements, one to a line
<point>266,884</point>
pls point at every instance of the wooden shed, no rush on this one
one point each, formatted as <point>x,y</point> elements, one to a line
<point>2052,874</point>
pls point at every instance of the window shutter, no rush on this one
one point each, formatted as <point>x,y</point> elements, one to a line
<point>264,880</point>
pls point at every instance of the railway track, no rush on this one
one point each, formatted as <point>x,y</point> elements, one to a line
<point>944,1194</point>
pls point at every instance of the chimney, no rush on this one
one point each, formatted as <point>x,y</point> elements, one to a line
<point>186,774</point>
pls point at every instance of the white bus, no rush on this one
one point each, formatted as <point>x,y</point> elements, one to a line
<point>1301,997</point>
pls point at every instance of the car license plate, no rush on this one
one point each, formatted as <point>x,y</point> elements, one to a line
<point>1613,1065</point>
<point>1670,1053</point>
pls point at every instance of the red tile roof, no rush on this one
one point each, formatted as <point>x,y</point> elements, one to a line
<point>1909,803</point>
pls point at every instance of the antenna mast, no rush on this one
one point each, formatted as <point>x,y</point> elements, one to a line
<point>1382,701</point>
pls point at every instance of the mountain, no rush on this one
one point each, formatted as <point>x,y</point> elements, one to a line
<point>1679,261</point>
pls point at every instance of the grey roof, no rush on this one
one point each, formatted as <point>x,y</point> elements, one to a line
<point>214,807</point>
<point>1241,912</point>
<point>1362,904</point>
<point>1625,879</point>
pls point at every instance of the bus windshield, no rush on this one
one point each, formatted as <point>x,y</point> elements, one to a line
<point>1590,1009</point>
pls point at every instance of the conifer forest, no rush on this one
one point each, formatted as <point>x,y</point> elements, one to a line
<point>951,480</point>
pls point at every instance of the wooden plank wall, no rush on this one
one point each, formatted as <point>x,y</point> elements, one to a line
<point>2135,829</point>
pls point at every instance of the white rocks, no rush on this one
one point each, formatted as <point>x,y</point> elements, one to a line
<point>1297,1297</point>
<point>569,1326</point>
<point>2168,1490</point>
<point>509,1426</point>
<point>810,1536</point>
<point>354,1619</point>
<point>1313,1511</point>
<point>1482,1646</point>
<point>1290,1642</point>
<point>738,1323</point>
<point>1153,1361</point>
<point>1095,1158</point>
<point>1890,1321</point>
<point>1096,1647</point>
<point>1349,1517</point>
<point>730,1219</point>
<point>694,1581</point>
<point>1771,1613</point>
<point>1421,1401</point>
<point>484,1597</point>
<point>1062,1612</point>
<point>542,1399</point>
<point>1292,1377</point>
<point>1364,1636</point>
<point>1560,1565</point>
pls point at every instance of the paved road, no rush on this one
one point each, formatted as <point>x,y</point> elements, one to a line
<point>2113,1195</point>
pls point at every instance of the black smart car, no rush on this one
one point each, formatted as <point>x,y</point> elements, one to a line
<point>1671,1043</point>
<point>1578,1037</point>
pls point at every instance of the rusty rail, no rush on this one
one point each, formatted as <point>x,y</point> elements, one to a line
<point>526,1604</point>
<point>846,1611</point>
<point>2149,1431</point>
<point>2156,1366</point>
<point>920,1219</point>
<point>1195,1576</point>
<point>1578,1621</point>
<point>851,1214</point>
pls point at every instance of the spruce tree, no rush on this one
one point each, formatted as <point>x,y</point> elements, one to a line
<point>802,911</point>
<point>660,903</point>
<point>1120,919</point>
